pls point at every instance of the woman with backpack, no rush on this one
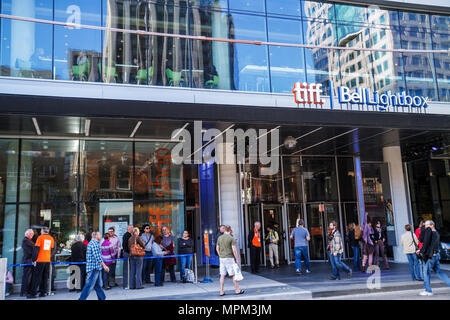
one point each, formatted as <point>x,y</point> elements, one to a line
<point>354,234</point>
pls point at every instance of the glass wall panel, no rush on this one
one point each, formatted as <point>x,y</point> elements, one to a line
<point>356,66</point>
<point>349,13</point>
<point>124,54</point>
<point>168,56</point>
<point>284,7</point>
<point>414,20</point>
<point>440,23</point>
<point>320,179</point>
<point>248,5</point>
<point>106,170</point>
<point>168,214</point>
<point>292,179</point>
<point>419,69</point>
<point>26,47</point>
<point>442,64</point>
<point>77,51</point>
<point>317,9</point>
<point>347,186</point>
<point>322,65</point>
<point>262,187</point>
<point>249,63</point>
<point>49,170</point>
<point>210,66</point>
<point>383,17</point>
<point>157,177</point>
<point>387,66</point>
<point>287,65</point>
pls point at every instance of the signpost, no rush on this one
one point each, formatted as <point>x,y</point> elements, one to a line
<point>207,254</point>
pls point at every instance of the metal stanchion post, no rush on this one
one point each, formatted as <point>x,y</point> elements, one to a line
<point>195,266</point>
<point>50,280</point>
<point>3,269</point>
<point>128,275</point>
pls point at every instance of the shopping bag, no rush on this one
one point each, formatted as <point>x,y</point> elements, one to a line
<point>237,273</point>
<point>189,274</point>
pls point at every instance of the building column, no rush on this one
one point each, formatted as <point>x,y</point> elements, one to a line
<point>392,156</point>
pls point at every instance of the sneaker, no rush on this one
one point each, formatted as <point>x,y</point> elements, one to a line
<point>333,278</point>
<point>42,295</point>
<point>308,271</point>
<point>426,293</point>
<point>277,265</point>
<point>31,296</point>
<point>297,271</point>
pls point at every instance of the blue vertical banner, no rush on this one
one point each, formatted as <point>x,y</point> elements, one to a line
<point>208,210</point>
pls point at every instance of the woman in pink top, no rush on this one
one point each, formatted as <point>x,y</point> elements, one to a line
<point>108,253</point>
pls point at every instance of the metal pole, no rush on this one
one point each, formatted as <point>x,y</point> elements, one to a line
<point>3,269</point>
<point>50,280</point>
<point>128,275</point>
<point>195,270</point>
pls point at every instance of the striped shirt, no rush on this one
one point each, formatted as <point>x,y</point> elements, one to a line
<point>107,252</point>
<point>93,256</point>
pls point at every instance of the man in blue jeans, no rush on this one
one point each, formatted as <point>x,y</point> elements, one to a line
<point>335,251</point>
<point>147,239</point>
<point>301,236</point>
<point>430,254</point>
<point>94,265</point>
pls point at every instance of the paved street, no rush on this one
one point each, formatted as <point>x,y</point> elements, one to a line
<point>438,294</point>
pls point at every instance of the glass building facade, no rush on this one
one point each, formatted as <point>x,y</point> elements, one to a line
<point>46,51</point>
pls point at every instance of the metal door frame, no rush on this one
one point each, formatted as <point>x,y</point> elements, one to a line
<point>283,225</point>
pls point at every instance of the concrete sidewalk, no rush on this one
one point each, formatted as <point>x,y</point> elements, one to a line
<point>274,284</point>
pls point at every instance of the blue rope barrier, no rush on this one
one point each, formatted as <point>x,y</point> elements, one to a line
<point>120,259</point>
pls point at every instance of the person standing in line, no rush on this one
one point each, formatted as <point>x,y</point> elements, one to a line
<point>27,249</point>
<point>147,239</point>
<point>94,265</point>
<point>254,243</point>
<point>158,251</point>
<point>168,244</point>
<point>368,245</point>
<point>228,256</point>
<point>107,254</point>
<point>136,262</point>
<point>409,243</point>
<point>42,253</point>
<point>430,254</point>
<point>272,239</point>
<point>379,243</point>
<point>185,246</point>
<point>335,250</point>
<point>420,231</point>
<point>115,241</point>
<point>354,244</point>
<point>126,255</point>
<point>78,254</point>
<point>301,236</point>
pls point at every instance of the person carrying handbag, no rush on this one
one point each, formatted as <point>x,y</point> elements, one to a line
<point>410,246</point>
<point>169,263</point>
<point>137,253</point>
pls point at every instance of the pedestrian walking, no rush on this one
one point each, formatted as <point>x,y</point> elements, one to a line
<point>94,267</point>
<point>78,254</point>
<point>228,259</point>
<point>185,246</point>
<point>115,241</point>
<point>27,255</point>
<point>368,245</point>
<point>353,240</point>
<point>168,263</point>
<point>136,259</point>
<point>301,236</point>
<point>335,250</point>
<point>42,253</point>
<point>410,245</point>
<point>254,243</point>
<point>158,251</point>
<point>272,240</point>
<point>379,236</point>
<point>107,256</point>
<point>147,239</point>
<point>126,255</point>
<point>430,256</point>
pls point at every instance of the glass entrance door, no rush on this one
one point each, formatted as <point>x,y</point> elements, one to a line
<point>273,217</point>
<point>319,215</point>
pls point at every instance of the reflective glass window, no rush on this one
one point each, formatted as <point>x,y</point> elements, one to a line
<point>320,179</point>
<point>292,179</point>
<point>124,54</point>
<point>391,76</point>
<point>349,13</point>
<point>77,50</point>
<point>442,65</point>
<point>167,55</point>
<point>49,170</point>
<point>318,9</point>
<point>26,47</point>
<point>106,170</point>
<point>287,64</point>
<point>209,59</point>
<point>284,7</point>
<point>414,20</point>
<point>261,185</point>
<point>346,179</point>
<point>249,63</point>
<point>322,65</point>
<point>418,66</point>
<point>354,36</point>
<point>157,177</point>
<point>379,16</point>
<point>209,4</point>
<point>440,23</point>
<point>248,5</point>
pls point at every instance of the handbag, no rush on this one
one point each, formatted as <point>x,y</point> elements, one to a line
<point>137,250</point>
<point>419,255</point>
<point>237,272</point>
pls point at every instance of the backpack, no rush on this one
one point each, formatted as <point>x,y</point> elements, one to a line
<point>357,232</point>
